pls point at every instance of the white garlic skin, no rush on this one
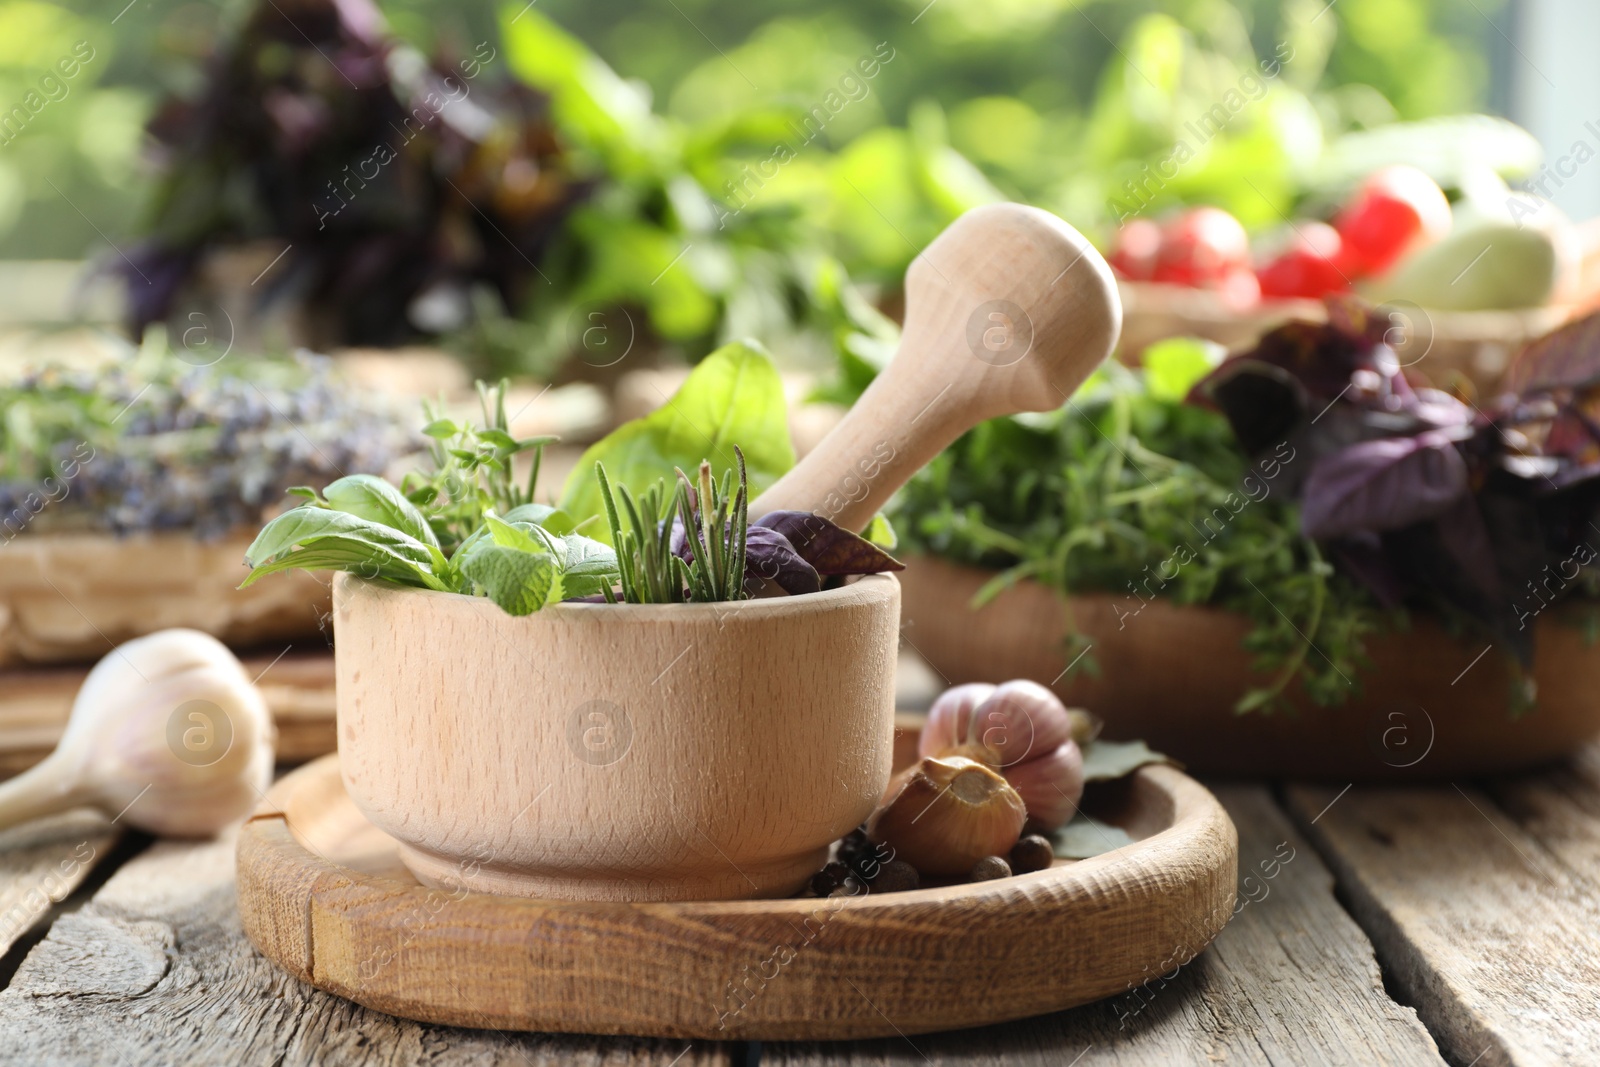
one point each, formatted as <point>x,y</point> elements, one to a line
<point>1021,729</point>
<point>132,750</point>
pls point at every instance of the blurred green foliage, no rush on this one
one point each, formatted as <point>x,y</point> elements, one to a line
<point>1053,101</point>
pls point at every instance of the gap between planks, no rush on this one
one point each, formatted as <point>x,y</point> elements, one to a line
<point>1482,900</point>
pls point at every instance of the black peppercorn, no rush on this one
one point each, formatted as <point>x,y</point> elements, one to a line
<point>990,868</point>
<point>1032,853</point>
<point>896,876</point>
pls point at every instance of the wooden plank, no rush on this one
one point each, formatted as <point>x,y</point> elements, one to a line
<point>43,861</point>
<point>1482,904</point>
<point>155,969</point>
<point>1292,980</point>
<point>34,705</point>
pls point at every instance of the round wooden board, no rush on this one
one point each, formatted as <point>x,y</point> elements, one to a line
<point>322,892</point>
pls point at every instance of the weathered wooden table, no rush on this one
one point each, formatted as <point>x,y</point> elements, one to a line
<point>1454,924</point>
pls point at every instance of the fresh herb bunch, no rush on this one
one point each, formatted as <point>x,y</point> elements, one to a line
<point>1129,491</point>
<point>394,179</point>
<point>655,566</point>
<point>472,469</point>
<point>1483,515</point>
<point>205,450</point>
<point>466,526</point>
<point>447,533</point>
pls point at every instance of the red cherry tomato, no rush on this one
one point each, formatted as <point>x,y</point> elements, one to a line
<point>1396,209</point>
<point>1240,290</point>
<point>1309,267</point>
<point>1200,248</point>
<point>1134,254</point>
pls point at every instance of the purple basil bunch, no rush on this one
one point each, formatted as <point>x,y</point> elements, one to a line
<point>1428,498</point>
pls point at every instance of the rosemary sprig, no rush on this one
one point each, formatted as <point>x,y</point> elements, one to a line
<point>716,530</point>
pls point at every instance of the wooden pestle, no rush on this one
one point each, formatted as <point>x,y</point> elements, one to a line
<point>1008,310</point>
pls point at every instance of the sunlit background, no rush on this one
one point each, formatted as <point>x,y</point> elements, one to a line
<point>1060,104</point>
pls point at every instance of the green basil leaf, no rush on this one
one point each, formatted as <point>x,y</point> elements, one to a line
<point>520,582</point>
<point>374,499</point>
<point>301,527</point>
<point>344,554</point>
<point>734,397</point>
<point>302,524</point>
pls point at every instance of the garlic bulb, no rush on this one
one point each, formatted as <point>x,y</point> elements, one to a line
<point>944,815</point>
<point>998,725</point>
<point>167,734</point>
<point>1022,730</point>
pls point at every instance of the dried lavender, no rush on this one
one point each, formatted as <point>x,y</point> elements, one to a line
<point>156,444</point>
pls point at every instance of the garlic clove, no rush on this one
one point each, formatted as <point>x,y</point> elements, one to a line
<point>1015,722</point>
<point>167,734</point>
<point>1050,786</point>
<point>943,815</point>
<point>950,716</point>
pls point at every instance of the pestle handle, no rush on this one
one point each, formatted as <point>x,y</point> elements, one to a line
<point>1008,310</point>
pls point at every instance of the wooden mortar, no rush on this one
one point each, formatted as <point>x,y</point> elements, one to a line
<point>616,752</point>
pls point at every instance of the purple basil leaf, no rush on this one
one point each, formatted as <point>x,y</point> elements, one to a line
<point>829,548</point>
<point>768,556</point>
<point>1363,558</point>
<point>1263,403</point>
<point>1383,484</point>
<point>1569,356</point>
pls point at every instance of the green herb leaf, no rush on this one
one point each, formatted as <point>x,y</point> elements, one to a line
<point>1084,837</point>
<point>372,498</point>
<point>733,397</point>
<point>519,581</point>
<point>441,429</point>
<point>590,566</point>
<point>395,551</point>
<point>1173,366</point>
<point>1105,760</point>
<point>343,554</point>
<point>551,518</point>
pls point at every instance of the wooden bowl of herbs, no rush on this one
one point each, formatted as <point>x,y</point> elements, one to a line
<point>128,495</point>
<point>1293,564</point>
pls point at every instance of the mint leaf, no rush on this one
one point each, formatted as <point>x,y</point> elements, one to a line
<point>590,566</point>
<point>520,582</point>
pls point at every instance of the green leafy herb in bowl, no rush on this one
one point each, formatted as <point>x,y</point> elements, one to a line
<point>1130,491</point>
<point>469,526</point>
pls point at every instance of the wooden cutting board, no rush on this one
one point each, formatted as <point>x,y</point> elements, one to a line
<point>323,893</point>
<point>298,688</point>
